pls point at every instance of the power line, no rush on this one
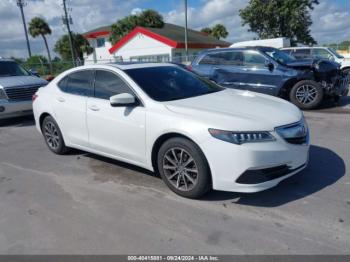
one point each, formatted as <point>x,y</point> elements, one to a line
<point>21,4</point>
<point>67,20</point>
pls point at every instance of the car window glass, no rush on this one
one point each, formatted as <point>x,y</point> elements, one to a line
<point>108,84</point>
<point>223,58</point>
<point>253,59</point>
<point>321,53</point>
<point>301,53</point>
<point>62,84</point>
<point>79,83</point>
<point>166,83</point>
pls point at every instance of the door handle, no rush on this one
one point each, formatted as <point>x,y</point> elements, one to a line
<point>61,99</point>
<point>94,108</point>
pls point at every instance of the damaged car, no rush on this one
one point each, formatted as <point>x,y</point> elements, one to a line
<point>305,83</point>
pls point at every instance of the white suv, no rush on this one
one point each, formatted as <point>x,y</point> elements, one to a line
<point>319,52</point>
<point>164,118</point>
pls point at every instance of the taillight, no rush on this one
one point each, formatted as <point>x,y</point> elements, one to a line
<point>189,67</point>
<point>35,96</point>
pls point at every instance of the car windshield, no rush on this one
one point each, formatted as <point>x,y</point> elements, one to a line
<point>278,55</point>
<point>166,83</point>
<point>10,68</point>
<point>335,53</point>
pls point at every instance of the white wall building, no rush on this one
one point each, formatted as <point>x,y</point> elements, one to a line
<point>148,45</point>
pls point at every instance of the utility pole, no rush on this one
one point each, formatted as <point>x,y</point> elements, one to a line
<point>21,4</point>
<point>186,35</point>
<point>66,20</point>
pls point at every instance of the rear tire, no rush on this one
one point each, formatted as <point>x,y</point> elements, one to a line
<point>183,168</point>
<point>53,136</point>
<point>306,94</point>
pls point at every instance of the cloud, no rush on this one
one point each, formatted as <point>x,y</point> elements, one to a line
<point>331,21</point>
<point>212,12</point>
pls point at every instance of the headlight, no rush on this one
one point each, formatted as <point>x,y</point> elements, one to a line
<point>2,94</point>
<point>241,137</point>
<point>296,130</point>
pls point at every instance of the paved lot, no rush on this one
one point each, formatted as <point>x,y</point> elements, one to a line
<point>85,204</point>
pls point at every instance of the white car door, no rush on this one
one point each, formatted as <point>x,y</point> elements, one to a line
<point>117,131</point>
<point>70,106</point>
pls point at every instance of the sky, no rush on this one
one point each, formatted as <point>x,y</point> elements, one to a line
<point>331,19</point>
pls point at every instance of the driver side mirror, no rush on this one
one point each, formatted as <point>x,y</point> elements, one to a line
<point>269,65</point>
<point>123,99</point>
<point>34,72</point>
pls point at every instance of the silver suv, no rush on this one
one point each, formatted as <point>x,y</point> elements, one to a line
<point>319,53</point>
<point>17,86</point>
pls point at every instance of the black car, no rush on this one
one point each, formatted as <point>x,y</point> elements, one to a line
<point>269,70</point>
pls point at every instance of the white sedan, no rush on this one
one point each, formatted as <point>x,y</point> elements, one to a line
<point>195,134</point>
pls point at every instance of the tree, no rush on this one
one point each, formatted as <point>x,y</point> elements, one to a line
<point>218,31</point>
<point>80,46</point>
<point>207,30</point>
<point>146,18</point>
<point>275,18</point>
<point>39,27</point>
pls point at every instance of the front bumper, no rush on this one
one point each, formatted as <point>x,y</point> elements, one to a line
<point>10,109</point>
<point>339,87</point>
<point>228,162</point>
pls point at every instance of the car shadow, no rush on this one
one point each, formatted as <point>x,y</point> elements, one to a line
<point>342,106</point>
<point>324,169</point>
<point>18,121</point>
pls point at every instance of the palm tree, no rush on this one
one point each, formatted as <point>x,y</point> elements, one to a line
<point>37,27</point>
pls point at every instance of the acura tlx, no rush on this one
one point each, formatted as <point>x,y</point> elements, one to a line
<point>197,135</point>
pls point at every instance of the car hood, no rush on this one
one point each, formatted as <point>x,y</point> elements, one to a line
<point>17,81</point>
<point>237,110</point>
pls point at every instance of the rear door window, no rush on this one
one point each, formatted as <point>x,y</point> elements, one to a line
<point>301,53</point>
<point>223,58</point>
<point>78,83</point>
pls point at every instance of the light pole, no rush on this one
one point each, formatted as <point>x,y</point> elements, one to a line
<point>186,35</point>
<point>21,4</point>
<point>66,20</point>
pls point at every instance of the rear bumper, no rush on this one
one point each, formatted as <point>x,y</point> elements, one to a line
<point>14,109</point>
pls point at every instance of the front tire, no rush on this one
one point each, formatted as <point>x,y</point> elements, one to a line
<point>346,71</point>
<point>306,94</point>
<point>53,136</point>
<point>183,168</point>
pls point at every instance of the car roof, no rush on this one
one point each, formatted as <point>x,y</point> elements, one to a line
<point>6,60</point>
<point>126,65</point>
<point>304,47</point>
<point>236,48</point>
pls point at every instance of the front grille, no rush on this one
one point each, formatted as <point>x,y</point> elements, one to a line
<point>263,175</point>
<point>21,93</point>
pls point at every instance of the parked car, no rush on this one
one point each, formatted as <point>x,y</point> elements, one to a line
<point>17,86</point>
<point>269,70</point>
<point>161,117</point>
<point>319,53</point>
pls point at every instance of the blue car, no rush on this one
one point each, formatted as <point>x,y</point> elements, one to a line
<point>306,83</point>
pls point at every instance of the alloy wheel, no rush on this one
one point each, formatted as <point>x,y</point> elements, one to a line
<point>306,94</point>
<point>51,135</point>
<point>180,169</point>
